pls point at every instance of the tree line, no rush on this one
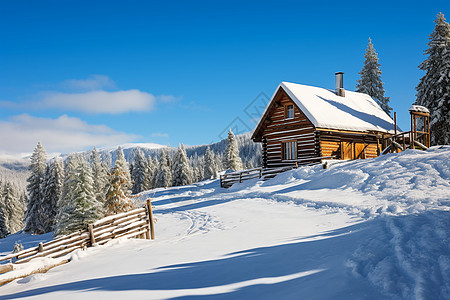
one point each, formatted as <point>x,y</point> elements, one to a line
<point>65,195</point>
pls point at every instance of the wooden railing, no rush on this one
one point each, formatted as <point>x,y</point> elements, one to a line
<point>134,223</point>
<point>227,180</point>
<point>406,140</point>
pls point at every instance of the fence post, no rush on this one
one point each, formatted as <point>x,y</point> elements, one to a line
<point>260,172</point>
<point>240,177</point>
<point>41,247</point>
<point>150,219</point>
<point>91,234</point>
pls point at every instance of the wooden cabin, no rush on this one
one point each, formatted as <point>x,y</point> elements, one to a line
<point>305,124</point>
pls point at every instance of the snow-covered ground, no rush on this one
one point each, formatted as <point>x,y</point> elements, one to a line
<point>367,229</point>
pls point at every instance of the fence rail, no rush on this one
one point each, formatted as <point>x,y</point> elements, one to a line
<point>227,180</point>
<point>406,140</point>
<point>135,223</point>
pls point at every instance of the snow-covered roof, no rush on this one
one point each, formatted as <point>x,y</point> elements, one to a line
<point>325,109</point>
<point>419,108</point>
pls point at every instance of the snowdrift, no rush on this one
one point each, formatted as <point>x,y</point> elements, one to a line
<point>368,229</point>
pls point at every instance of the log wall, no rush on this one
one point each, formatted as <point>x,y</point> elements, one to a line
<point>346,145</point>
<point>280,129</point>
<point>312,143</point>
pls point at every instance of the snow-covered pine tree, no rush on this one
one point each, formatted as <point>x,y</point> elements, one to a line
<point>37,168</point>
<point>163,177</point>
<point>118,188</point>
<point>14,208</point>
<point>149,174</point>
<point>181,169</point>
<point>370,82</point>
<point>433,90</point>
<point>99,175</point>
<point>232,159</point>
<point>3,228</point>
<point>210,166</point>
<point>70,171</point>
<point>122,163</point>
<point>83,208</point>
<point>51,193</point>
<point>140,172</point>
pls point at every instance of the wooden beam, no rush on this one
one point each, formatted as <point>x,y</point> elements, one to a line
<point>150,219</point>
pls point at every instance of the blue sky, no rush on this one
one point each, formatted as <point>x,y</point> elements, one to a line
<point>78,74</point>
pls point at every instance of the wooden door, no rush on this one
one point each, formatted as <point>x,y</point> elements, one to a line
<point>359,151</point>
<point>347,150</point>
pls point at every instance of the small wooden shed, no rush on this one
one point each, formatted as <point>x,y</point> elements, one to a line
<point>305,124</point>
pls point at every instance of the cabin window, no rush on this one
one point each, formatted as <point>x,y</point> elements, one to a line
<point>289,111</point>
<point>289,150</point>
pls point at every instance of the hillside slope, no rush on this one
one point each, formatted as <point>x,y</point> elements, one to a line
<point>372,229</point>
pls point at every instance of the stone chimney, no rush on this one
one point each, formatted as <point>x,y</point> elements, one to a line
<point>340,84</point>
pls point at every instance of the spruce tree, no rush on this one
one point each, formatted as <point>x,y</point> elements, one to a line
<point>139,173</point>
<point>38,164</point>
<point>122,163</point>
<point>3,215</point>
<point>118,188</point>
<point>83,208</point>
<point>181,169</point>
<point>232,159</point>
<point>99,175</point>
<point>370,82</point>
<point>51,193</point>
<point>3,228</point>
<point>70,171</point>
<point>149,174</point>
<point>14,208</point>
<point>433,90</point>
<point>210,166</point>
<point>163,177</point>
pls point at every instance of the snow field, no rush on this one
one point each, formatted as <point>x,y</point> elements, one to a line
<point>373,229</point>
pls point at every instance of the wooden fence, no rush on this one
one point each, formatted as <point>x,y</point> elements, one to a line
<point>135,223</point>
<point>227,180</point>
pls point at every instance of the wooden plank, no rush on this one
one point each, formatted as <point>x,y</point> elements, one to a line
<point>150,218</point>
<point>6,268</point>
<point>118,216</point>
<point>39,270</point>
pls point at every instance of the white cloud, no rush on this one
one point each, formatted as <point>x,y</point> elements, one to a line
<point>89,96</point>
<point>64,134</point>
<point>94,82</point>
<point>98,102</point>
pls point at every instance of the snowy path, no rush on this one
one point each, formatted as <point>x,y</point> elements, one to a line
<point>374,229</point>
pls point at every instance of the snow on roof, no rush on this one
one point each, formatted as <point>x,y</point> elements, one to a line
<point>419,108</point>
<point>325,109</point>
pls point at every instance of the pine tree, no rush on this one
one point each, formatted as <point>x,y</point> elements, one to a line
<point>99,175</point>
<point>13,207</point>
<point>370,82</point>
<point>83,208</point>
<point>3,228</point>
<point>122,163</point>
<point>118,188</point>
<point>149,174</point>
<point>71,165</point>
<point>181,169</point>
<point>3,216</point>
<point>210,166</point>
<point>51,193</point>
<point>232,159</point>
<point>37,168</point>
<point>139,173</point>
<point>433,90</point>
<point>163,177</point>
